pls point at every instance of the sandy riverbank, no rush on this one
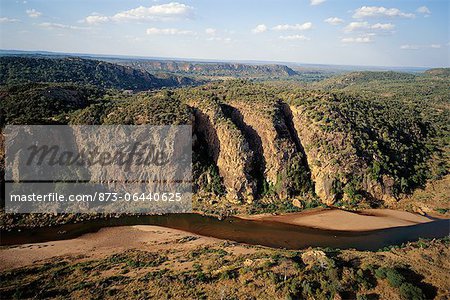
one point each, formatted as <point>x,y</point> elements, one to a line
<point>105,242</point>
<point>336,219</point>
<point>112,240</point>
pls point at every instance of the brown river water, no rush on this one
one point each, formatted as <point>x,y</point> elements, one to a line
<point>255,232</point>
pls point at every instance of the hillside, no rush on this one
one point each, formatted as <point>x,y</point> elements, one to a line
<point>358,78</point>
<point>44,103</point>
<point>17,70</point>
<point>210,69</point>
<point>432,85</point>
<point>443,72</point>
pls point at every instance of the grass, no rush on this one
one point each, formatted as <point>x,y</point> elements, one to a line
<point>219,271</point>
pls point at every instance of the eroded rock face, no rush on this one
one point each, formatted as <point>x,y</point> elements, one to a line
<point>381,191</point>
<point>271,139</point>
<point>228,148</point>
<point>2,166</point>
<point>333,162</point>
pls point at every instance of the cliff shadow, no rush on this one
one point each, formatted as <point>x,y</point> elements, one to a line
<point>293,135</point>
<point>254,141</point>
<point>205,150</point>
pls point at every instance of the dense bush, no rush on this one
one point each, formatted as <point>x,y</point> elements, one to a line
<point>410,292</point>
<point>394,278</point>
<point>155,108</point>
<point>38,103</point>
<point>392,137</point>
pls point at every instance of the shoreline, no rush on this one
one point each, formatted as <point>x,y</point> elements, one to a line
<point>104,242</point>
<point>326,218</point>
<point>343,220</point>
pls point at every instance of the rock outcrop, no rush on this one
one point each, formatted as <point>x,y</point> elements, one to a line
<point>335,164</point>
<point>266,130</point>
<point>227,147</point>
<point>210,69</point>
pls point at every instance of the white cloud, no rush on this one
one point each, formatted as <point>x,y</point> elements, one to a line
<point>334,21</point>
<point>283,27</point>
<point>316,2</point>
<point>423,10</point>
<point>8,20</point>
<point>383,26</point>
<point>162,12</point>
<point>32,13</point>
<point>220,39</point>
<point>357,26</point>
<point>168,31</point>
<point>211,31</point>
<point>260,28</point>
<point>417,47</point>
<point>409,47</point>
<point>96,19</point>
<point>213,35</point>
<point>48,25</point>
<point>296,37</point>
<point>173,10</point>
<point>360,39</point>
<point>304,26</point>
<point>380,11</point>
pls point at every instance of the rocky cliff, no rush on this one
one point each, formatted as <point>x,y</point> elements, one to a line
<point>210,69</point>
<point>265,144</point>
<point>336,169</point>
<point>268,134</point>
<point>226,146</point>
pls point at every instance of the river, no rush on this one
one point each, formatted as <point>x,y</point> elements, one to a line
<point>255,232</point>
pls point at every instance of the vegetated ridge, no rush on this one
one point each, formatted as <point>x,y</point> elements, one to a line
<point>15,70</point>
<point>210,68</point>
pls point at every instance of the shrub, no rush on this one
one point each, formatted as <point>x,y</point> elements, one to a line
<point>364,279</point>
<point>380,273</point>
<point>394,278</point>
<point>442,210</point>
<point>201,277</point>
<point>411,292</point>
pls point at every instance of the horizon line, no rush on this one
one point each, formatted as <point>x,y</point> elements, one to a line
<point>205,60</point>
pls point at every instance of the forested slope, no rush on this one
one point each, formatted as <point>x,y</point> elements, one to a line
<point>17,70</point>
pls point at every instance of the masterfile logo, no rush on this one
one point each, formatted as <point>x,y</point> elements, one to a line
<point>94,168</point>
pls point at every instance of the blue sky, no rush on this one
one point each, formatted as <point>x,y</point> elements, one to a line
<point>354,32</point>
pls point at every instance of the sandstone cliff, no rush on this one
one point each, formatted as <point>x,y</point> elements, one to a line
<point>264,125</point>
<point>227,147</point>
<point>336,169</point>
